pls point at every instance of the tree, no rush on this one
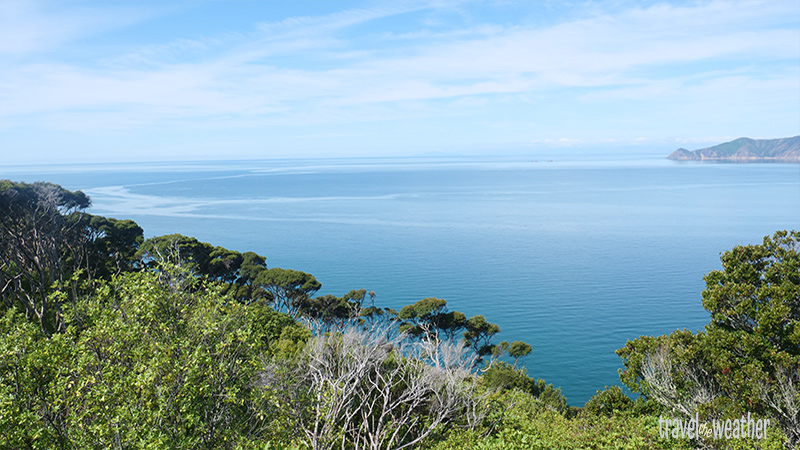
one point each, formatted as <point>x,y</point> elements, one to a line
<point>362,390</point>
<point>335,312</point>
<point>502,376</point>
<point>177,249</point>
<point>31,410</point>
<point>748,357</point>
<point>422,317</point>
<point>252,265</point>
<point>105,246</point>
<point>479,334</point>
<point>223,264</point>
<point>146,362</point>
<point>431,316</point>
<point>290,289</point>
<point>611,401</point>
<point>239,271</point>
<point>758,291</point>
<point>373,317</point>
<point>517,350</point>
<point>35,238</point>
<point>244,288</point>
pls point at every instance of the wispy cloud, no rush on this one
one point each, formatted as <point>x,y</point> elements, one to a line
<point>316,69</point>
<point>28,26</point>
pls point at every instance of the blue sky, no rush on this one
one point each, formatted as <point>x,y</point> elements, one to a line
<point>203,79</point>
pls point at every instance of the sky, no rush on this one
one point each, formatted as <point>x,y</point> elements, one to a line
<point>105,81</point>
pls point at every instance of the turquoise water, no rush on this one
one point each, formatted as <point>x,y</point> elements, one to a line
<point>574,257</point>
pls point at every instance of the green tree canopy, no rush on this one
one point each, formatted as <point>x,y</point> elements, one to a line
<point>290,289</point>
<point>747,358</point>
<point>238,270</point>
<point>518,349</point>
<point>36,242</point>
<point>144,363</point>
<point>109,245</point>
<point>479,333</point>
<point>336,312</point>
<point>758,291</point>
<point>430,315</point>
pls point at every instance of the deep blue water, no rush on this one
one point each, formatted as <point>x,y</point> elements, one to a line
<point>574,257</point>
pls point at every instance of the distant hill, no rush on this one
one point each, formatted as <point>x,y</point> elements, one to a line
<point>745,149</point>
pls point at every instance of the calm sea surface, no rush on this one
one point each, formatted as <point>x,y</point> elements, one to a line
<point>573,257</point>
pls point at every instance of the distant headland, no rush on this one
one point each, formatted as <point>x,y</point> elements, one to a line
<point>745,150</point>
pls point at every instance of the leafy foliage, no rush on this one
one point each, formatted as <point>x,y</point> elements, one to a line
<point>431,317</point>
<point>501,376</point>
<point>747,359</point>
<point>530,424</point>
<point>36,242</point>
<point>611,401</point>
<point>108,245</point>
<point>289,289</point>
<point>154,359</point>
<point>479,335</point>
<point>108,340</point>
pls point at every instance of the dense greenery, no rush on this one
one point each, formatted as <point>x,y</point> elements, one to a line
<point>150,358</point>
<point>747,360</point>
<point>108,340</point>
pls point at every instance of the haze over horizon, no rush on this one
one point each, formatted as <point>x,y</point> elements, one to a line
<point>89,80</point>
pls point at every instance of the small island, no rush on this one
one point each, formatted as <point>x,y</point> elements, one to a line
<point>745,150</point>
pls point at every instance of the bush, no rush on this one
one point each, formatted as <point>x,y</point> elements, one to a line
<point>154,359</point>
<point>364,389</point>
<point>747,360</point>
<point>528,424</point>
<point>609,402</point>
<point>504,377</point>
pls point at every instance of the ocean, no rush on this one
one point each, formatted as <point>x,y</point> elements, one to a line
<point>574,256</point>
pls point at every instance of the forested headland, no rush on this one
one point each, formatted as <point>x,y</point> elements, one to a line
<point>745,150</point>
<point>110,340</point>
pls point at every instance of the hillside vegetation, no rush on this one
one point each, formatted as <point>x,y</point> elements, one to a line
<point>745,150</point>
<point>111,341</point>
